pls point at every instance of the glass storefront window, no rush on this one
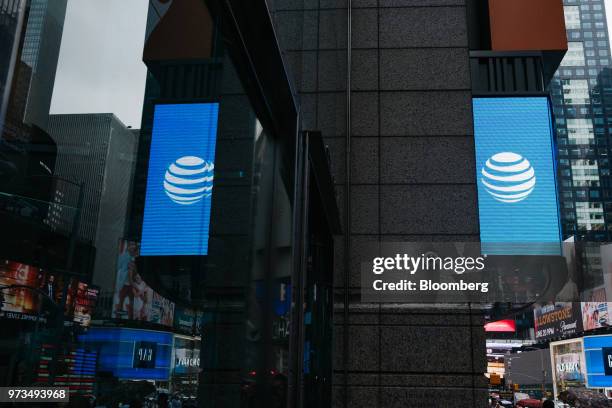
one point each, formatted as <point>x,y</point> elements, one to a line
<point>150,199</point>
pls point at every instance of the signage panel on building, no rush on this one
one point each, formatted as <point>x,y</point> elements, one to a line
<point>556,320</point>
<point>569,368</point>
<point>131,354</point>
<point>607,360</point>
<point>180,180</point>
<point>598,356</point>
<point>186,355</point>
<point>517,190</point>
<point>133,299</point>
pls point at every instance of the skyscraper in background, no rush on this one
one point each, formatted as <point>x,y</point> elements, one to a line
<point>583,121</point>
<point>97,152</point>
<point>30,40</point>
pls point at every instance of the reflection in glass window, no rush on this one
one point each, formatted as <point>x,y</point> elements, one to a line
<point>589,216</point>
<point>585,173</point>
<point>576,91</point>
<point>572,17</point>
<point>575,54</point>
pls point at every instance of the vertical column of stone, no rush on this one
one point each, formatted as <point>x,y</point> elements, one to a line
<point>434,355</point>
<point>412,178</point>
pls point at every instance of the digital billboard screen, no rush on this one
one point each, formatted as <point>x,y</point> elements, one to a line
<point>180,180</point>
<point>133,299</point>
<point>558,319</point>
<point>516,176</point>
<point>131,353</point>
<point>598,355</point>
<point>32,291</point>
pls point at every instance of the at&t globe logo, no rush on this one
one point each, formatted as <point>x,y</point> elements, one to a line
<point>189,179</point>
<point>508,177</point>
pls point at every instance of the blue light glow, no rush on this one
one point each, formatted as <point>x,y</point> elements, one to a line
<point>116,351</point>
<point>516,176</point>
<point>180,180</point>
<point>593,353</point>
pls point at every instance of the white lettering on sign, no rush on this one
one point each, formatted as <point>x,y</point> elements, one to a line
<point>567,367</point>
<point>188,362</point>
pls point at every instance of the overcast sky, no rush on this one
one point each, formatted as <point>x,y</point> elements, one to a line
<point>100,67</point>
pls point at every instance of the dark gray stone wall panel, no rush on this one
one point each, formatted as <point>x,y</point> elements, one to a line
<point>417,349</point>
<point>364,209</point>
<point>296,30</point>
<point>332,70</point>
<point>428,209</point>
<point>434,113</point>
<point>427,160</point>
<point>423,27</point>
<point>420,3</point>
<point>428,68</point>
<point>432,238</point>
<point>364,3</point>
<point>332,29</point>
<point>331,114</point>
<point>364,113</point>
<point>364,70</point>
<point>399,397</point>
<point>364,29</point>
<point>364,159</point>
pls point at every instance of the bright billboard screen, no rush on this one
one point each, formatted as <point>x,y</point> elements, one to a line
<point>517,192</point>
<point>131,353</point>
<point>598,355</point>
<point>180,180</point>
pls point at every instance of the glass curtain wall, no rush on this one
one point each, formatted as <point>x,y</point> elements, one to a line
<point>147,209</point>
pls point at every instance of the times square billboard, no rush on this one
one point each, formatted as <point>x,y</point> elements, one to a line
<point>516,176</point>
<point>179,189</point>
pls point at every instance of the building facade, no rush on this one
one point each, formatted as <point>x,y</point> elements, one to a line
<point>280,142</point>
<point>581,119</point>
<point>96,159</point>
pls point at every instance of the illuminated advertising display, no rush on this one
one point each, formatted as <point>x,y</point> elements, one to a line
<point>187,320</point>
<point>20,302</point>
<point>133,298</point>
<point>598,356</point>
<point>501,326</point>
<point>517,190</point>
<point>569,368</point>
<point>79,368</point>
<point>131,354</point>
<point>29,286</point>
<point>186,355</point>
<point>557,320</point>
<point>180,180</point>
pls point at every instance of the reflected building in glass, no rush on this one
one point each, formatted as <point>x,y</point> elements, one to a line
<point>94,168</point>
<point>582,125</point>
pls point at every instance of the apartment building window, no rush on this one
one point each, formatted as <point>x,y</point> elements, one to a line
<point>576,91</point>
<point>575,54</point>
<point>585,173</point>
<point>589,216</point>
<point>572,17</point>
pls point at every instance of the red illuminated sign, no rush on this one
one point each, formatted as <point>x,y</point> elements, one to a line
<point>508,326</point>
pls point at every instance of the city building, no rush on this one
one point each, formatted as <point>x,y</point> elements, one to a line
<point>581,121</point>
<point>281,145</point>
<point>94,166</point>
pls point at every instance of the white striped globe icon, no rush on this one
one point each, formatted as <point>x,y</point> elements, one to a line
<point>508,177</point>
<point>188,180</point>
